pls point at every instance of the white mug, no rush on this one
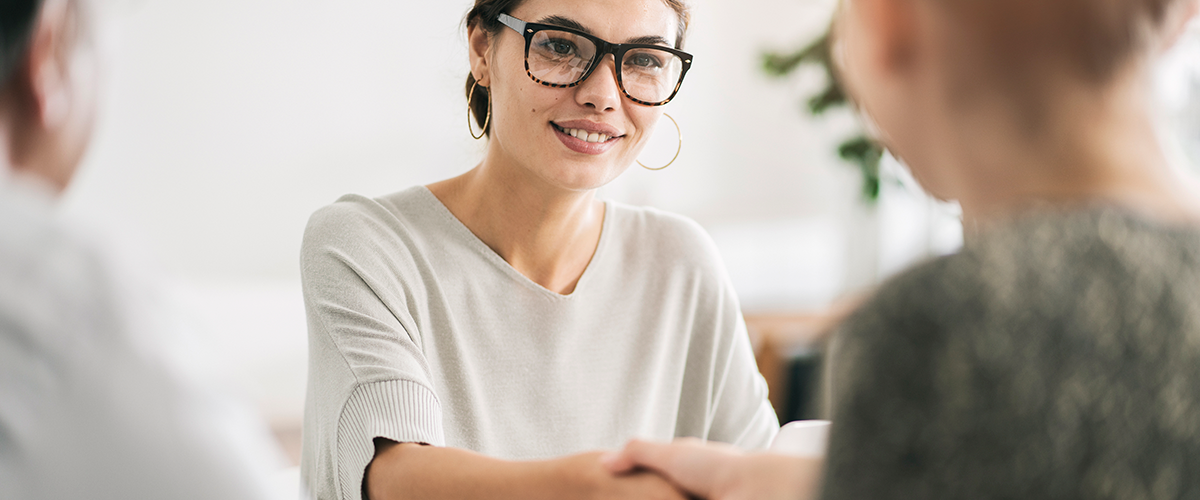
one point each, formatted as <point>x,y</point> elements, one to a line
<point>802,438</point>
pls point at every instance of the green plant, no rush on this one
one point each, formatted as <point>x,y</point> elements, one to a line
<point>860,150</point>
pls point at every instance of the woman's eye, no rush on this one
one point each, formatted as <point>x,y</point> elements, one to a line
<point>560,47</point>
<point>645,61</point>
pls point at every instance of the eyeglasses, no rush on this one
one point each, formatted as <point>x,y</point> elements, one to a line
<point>560,57</point>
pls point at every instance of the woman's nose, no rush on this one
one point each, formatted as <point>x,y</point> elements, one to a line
<point>600,90</point>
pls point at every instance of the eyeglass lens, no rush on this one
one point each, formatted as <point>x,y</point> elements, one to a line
<point>562,58</point>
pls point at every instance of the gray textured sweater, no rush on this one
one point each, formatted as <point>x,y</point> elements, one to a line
<point>419,332</point>
<point>1058,357</point>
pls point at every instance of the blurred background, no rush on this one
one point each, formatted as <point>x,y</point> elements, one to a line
<point>228,122</point>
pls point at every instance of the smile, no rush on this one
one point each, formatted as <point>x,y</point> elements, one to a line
<point>583,135</point>
<point>587,137</point>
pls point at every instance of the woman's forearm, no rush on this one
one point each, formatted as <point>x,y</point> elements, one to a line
<point>411,471</point>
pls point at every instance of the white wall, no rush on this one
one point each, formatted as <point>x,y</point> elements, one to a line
<point>231,120</point>
<point>1178,87</point>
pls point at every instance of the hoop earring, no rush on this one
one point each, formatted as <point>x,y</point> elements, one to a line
<point>488,119</point>
<point>677,150</point>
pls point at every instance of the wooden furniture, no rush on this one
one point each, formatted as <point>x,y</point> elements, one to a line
<point>782,340</point>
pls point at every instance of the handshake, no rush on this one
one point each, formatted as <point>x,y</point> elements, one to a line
<point>642,470</point>
<point>691,468</point>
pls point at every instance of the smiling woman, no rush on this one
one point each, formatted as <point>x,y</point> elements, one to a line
<point>486,16</point>
<point>482,336</point>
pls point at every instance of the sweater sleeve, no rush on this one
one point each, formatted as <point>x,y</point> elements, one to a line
<point>742,414</point>
<point>739,412</point>
<point>368,375</point>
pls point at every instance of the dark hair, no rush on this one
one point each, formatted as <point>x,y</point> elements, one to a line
<point>17,18</point>
<point>485,14</point>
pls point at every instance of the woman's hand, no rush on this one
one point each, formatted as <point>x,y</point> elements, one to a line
<point>721,472</point>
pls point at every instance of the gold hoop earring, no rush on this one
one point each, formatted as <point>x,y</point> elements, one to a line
<point>488,119</point>
<point>677,150</point>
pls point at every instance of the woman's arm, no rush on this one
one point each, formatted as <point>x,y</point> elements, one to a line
<point>402,471</point>
<point>722,472</point>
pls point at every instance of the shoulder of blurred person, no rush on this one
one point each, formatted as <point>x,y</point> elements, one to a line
<point>98,396</point>
<point>1054,355</point>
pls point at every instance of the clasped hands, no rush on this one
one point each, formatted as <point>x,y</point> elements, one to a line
<point>711,471</point>
<point>686,468</point>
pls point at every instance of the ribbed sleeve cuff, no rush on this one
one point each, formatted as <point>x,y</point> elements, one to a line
<point>400,410</point>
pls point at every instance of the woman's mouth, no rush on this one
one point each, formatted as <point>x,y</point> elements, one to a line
<point>583,141</point>
<point>583,135</point>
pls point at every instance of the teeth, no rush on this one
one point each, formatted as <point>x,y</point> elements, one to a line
<point>583,135</point>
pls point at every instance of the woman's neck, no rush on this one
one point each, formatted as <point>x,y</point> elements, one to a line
<point>1091,147</point>
<point>549,235</point>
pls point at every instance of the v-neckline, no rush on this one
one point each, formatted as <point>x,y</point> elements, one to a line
<point>504,266</point>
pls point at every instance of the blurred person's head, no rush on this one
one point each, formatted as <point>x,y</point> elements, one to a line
<point>969,93</point>
<point>524,118</point>
<point>49,73</point>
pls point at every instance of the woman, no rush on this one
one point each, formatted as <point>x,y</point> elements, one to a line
<point>507,317</point>
<point>1058,354</point>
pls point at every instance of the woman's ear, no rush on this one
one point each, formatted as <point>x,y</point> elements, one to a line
<point>479,43</point>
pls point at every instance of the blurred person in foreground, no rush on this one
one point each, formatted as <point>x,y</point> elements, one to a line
<point>1058,354</point>
<point>89,405</point>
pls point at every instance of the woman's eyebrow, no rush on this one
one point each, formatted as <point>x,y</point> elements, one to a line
<point>651,39</point>
<point>567,22</point>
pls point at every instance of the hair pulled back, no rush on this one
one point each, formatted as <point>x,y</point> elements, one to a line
<point>485,14</point>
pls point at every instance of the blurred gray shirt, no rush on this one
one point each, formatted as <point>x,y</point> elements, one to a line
<point>1057,356</point>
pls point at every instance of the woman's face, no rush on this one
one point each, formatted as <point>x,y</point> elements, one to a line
<point>532,124</point>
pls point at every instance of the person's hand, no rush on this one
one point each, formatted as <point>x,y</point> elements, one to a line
<point>586,476</point>
<point>721,472</point>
